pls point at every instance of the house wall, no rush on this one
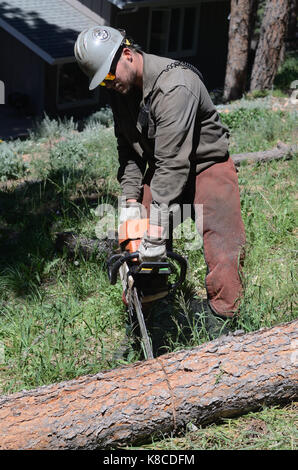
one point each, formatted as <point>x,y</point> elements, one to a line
<point>23,72</point>
<point>213,38</point>
<point>51,91</point>
<point>51,85</point>
<point>26,73</point>
<point>135,24</point>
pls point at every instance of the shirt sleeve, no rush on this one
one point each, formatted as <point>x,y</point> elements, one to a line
<point>131,167</point>
<point>175,114</point>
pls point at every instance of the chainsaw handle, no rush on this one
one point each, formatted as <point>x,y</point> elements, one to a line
<point>183,268</point>
<point>115,262</point>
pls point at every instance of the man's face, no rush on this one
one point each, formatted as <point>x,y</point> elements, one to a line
<point>125,74</point>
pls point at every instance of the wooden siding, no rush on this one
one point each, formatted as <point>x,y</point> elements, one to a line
<point>135,24</point>
<point>23,71</point>
<point>213,42</point>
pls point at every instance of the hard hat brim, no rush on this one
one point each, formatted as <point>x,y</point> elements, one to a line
<point>103,71</point>
<point>100,75</point>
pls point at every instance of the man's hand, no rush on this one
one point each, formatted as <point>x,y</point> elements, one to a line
<point>131,210</point>
<point>153,244</point>
<point>152,249</point>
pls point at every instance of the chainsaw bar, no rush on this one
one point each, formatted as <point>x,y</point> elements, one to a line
<point>142,284</point>
<point>135,307</point>
<point>145,340</point>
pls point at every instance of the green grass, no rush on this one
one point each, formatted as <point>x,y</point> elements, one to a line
<point>263,126</point>
<point>59,316</point>
<point>270,215</point>
<point>270,429</point>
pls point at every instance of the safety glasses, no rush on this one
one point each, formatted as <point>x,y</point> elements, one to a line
<point>112,73</point>
<point>109,78</point>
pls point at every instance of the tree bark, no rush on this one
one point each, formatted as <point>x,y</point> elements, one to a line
<point>280,151</point>
<point>223,378</point>
<point>75,245</point>
<point>269,49</point>
<point>239,43</point>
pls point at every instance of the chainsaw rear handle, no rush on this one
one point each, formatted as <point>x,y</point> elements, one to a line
<point>183,268</point>
<point>116,261</point>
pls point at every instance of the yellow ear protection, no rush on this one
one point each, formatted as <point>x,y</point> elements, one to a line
<point>111,76</point>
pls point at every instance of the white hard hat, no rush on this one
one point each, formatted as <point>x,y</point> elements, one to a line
<point>95,49</point>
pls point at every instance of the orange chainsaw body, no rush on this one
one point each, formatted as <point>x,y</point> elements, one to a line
<point>130,234</point>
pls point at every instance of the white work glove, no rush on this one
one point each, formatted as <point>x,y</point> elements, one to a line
<point>131,211</point>
<point>153,244</point>
<point>152,250</point>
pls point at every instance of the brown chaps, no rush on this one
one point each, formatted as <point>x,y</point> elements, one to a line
<point>216,188</point>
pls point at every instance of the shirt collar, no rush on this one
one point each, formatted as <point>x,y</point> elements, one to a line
<point>152,67</point>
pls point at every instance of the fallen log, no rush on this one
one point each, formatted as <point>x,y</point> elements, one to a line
<point>75,245</point>
<point>223,378</point>
<point>280,151</point>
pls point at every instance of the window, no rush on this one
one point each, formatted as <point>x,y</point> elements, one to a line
<point>173,31</point>
<point>73,87</point>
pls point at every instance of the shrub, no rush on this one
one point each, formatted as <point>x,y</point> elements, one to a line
<point>12,166</point>
<point>241,117</point>
<point>103,117</point>
<point>48,128</point>
<point>256,129</point>
<point>69,157</point>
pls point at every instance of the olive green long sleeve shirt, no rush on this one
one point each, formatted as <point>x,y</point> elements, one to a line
<point>183,130</point>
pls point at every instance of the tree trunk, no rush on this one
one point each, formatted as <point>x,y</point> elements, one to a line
<point>270,46</point>
<point>280,151</point>
<point>239,42</point>
<point>225,377</point>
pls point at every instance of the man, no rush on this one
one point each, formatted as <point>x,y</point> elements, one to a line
<point>173,149</point>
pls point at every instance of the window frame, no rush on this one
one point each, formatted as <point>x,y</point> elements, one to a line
<point>179,52</point>
<point>74,104</point>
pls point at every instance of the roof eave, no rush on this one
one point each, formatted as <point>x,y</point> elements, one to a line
<point>40,52</point>
<point>130,5</point>
<point>31,45</point>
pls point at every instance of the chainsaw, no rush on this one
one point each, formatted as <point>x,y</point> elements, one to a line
<point>143,282</point>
